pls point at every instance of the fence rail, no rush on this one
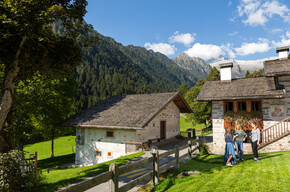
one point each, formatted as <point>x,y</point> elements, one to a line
<point>114,171</point>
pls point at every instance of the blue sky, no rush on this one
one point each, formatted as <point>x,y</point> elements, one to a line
<point>236,29</point>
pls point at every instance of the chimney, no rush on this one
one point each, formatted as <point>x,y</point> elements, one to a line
<point>226,71</point>
<point>283,52</point>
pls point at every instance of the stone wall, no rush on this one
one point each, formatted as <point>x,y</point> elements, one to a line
<point>218,127</point>
<point>268,120</point>
<point>96,139</point>
<point>171,115</point>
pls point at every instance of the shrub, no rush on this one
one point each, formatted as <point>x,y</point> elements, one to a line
<point>16,174</point>
<point>203,149</point>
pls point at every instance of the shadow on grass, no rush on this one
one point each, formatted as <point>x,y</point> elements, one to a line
<point>55,161</point>
<point>206,164</point>
<point>76,174</point>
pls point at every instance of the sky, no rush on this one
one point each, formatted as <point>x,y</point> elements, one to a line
<point>235,29</point>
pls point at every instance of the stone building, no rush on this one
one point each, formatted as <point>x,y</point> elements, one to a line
<point>104,130</point>
<point>264,99</point>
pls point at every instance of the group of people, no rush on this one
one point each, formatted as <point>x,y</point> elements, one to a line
<point>237,139</point>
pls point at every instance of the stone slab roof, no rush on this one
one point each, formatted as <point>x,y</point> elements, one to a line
<point>238,89</point>
<point>278,67</point>
<point>126,112</point>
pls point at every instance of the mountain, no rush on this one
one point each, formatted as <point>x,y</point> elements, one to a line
<point>240,67</point>
<point>196,66</point>
<point>110,69</point>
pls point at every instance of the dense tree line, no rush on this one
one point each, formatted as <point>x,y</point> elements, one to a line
<point>201,110</point>
<point>110,69</point>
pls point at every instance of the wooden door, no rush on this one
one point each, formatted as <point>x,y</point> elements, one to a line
<point>162,129</point>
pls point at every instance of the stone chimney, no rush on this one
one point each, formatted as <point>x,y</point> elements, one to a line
<point>283,52</point>
<point>226,71</point>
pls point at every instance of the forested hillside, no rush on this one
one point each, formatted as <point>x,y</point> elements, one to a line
<point>112,69</point>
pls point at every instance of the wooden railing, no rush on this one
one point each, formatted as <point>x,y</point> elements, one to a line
<point>114,171</point>
<point>275,132</point>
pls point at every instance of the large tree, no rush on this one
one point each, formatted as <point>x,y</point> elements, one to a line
<point>28,44</point>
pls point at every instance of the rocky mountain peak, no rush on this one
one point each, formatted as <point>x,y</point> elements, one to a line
<point>192,63</point>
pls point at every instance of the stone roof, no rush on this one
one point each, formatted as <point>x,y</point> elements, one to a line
<point>278,67</point>
<point>126,112</point>
<point>237,89</point>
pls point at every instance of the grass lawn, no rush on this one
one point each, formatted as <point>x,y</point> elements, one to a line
<point>184,125</point>
<point>271,173</point>
<point>55,178</point>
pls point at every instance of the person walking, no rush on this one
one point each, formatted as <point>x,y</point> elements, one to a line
<point>240,138</point>
<point>230,157</point>
<point>255,137</point>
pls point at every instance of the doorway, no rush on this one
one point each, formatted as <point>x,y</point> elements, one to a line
<point>162,129</point>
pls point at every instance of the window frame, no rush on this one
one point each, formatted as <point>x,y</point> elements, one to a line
<point>109,132</point>
<point>80,136</point>
<point>98,151</point>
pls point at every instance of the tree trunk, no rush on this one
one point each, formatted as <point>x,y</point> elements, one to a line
<point>7,110</point>
<point>52,142</point>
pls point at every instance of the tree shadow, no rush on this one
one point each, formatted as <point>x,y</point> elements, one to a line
<point>55,161</point>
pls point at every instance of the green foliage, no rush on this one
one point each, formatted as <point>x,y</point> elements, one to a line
<point>255,73</point>
<point>16,173</point>
<point>183,89</point>
<point>43,103</point>
<point>213,75</point>
<point>203,149</point>
<point>247,74</point>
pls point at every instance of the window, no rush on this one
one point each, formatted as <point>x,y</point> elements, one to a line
<point>110,134</point>
<point>229,106</point>
<point>98,153</point>
<point>80,136</point>
<point>109,154</point>
<point>242,106</point>
<point>255,105</point>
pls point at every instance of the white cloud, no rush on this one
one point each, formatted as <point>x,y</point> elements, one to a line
<point>164,48</point>
<point>228,49</point>
<point>285,40</point>
<point>204,51</point>
<point>233,33</point>
<point>252,48</point>
<point>185,38</point>
<point>258,13</point>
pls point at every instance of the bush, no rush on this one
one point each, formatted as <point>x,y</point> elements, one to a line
<point>16,174</point>
<point>203,149</point>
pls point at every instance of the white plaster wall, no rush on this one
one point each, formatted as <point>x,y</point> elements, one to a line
<point>218,127</point>
<point>171,115</point>
<point>96,139</point>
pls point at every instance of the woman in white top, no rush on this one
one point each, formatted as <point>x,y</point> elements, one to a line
<point>255,136</point>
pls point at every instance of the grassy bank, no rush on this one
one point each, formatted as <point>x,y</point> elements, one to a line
<point>55,178</point>
<point>271,173</point>
<point>184,125</point>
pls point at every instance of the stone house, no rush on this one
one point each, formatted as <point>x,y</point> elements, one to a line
<point>104,130</point>
<point>264,99</point>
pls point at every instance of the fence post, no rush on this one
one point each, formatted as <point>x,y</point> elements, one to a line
<point>177,155</point>
<point>155,167</point>
<point>189,149</point>
<point>35,169</point>
<point>114,182</point>
<point>193,134</point>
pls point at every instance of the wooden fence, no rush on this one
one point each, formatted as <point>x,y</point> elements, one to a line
<point>114,171</point>
<point>192,133</point>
